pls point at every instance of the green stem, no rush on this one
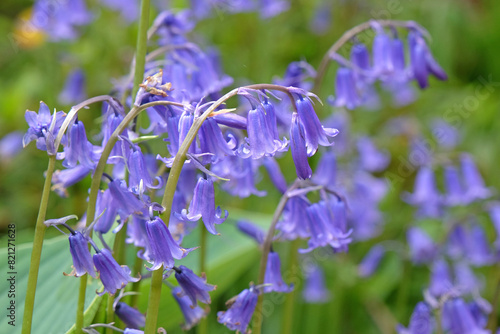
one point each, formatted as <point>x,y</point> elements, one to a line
<point>348,35</point>
<point>80,309</point>
<point>266,248</point>
<point>203,325</point>
<point>154,301</point>
<point>37,249</point>
<point>287,323</point>
<point>110,313</point>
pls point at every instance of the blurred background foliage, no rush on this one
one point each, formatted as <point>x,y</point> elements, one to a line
<point>465,41</point>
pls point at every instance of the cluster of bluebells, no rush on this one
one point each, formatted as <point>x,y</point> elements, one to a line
<point>229,152</point>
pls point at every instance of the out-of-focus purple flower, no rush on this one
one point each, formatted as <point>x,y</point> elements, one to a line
<point>242,174</point>
<point>494,211</point>
<point>440,282</point>
<point>193,286</point>
<point>128,8</point>
<point>425,196</point>
<point>277,178</point>
<point>79,149</point>
<point>455,195</point>
<point>422,247</point>
<point>164,249</point>
<point>465,280</point>
<point>271,8</point>
<point>446,135</point>
<point>172,26</point>
<point>372,159</point>
<point>74,88</point>
<point>382,54</point>
<point>59,19</point>
<point>326,171</point>
<point>315,291</point>
<point>238,316</point>
<point>11,144</point>
<point>43,128</point>
<point>112,275</point>
<point>473,182</point>
<point>292,225</point>
<point>421,321</point>
<point>370,262</point>
<point>192,315</point>
<point>422,62</point>
<point>346,94</point>
<point>478,250</point>
<point>131,317</point>
<point>203,206</point>
<point>322,18</point>
<point>62,179</point>
<point>299,149</point>
<point>251,230</point>
<point>82,260</point>
<point>458,319</point>
<point>273,275</point>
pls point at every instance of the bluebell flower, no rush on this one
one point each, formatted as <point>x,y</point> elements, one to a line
<point>421,321</point>
<point>273,275</point>
<point>128,9</point>
<point>494,212</point>
<point>138,236</point>
<point>193,286</point>
<point>296,75</point>
<point>231,120</point>
<point>477,249</point>
<point>292,225</point>
<point>112,275</point>
<point>440,282</point>
<point>346,94</point>
<point>422,247</point>
<point>78,149</point>
<point>372,159</point>
<point>446,135</point>
<point>139,173</point>
<point>458,319</point>
<point>62,179</point>
<point>315,133</point>
<point>371,261</point>
<point>322,18</point>
<point>192,315</point>
<point>465,280</point>
<point>425,196</point>
<point>422,62</point>
<point>131,317</point>
<point>43,127</point>
<point>455,194</point>
<point>274,172</point>
<point>114,119</point>
<point>11,144</point>
<point>251,230</point>
<point>82,260</point>
<point>382,54</point>
<point>203,206</point>
<point>326,170</point>
<point>315,291</point>
<point>242,174</point>
<point>212,141</point>
<point>299,149</point>
<point>238,316</point>
<point>208,78</point>
<point>74,88</point>
<point>127,202</point>
<point>107,209</point>
<point>164,249</point>
<point>271,8</point>
<point>474,183</point>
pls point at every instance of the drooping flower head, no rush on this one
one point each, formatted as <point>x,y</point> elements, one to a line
<point>371,261</point>
<point>315,290</point>
<point>238,316</point>
<point>131,317</point>
<point>193,286</point>
<point>192,315</point>
<point>112,275</point>
<point>273,275</point>
<point>421,321</point>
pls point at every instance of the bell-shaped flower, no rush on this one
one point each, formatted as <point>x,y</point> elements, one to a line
<point>131,317</point>
<point>346,94</point>
<point>74,88</point>
<point>62,179</point>
<point>203,206</point>
<point>139,173</point>
<point>78,149</point>
<point>240,311</point>
<point>112,275</point>
<point>371,261</point>
<point>292,225</point>
<point>43,127</point>
<point>164,249</point>
<point>113,119</point>
<point>106,209</point>
<point>421,321</point>
<point>231,120</point>
<point>422,247</point>
<point>440,282</point>
<point>192,315</point>
<point>326,171</point>
<point>425,197</point>
<point>382,54</point>
<point>82,260</point>
<point>465,280</point>
<point>478,250</point>
<point>273,275</point>
<point>372,159</point>
<point>251,230</point>
<point>315,290</point>
<point>457,318</point>
<point>474,183</point>
<point>446,134</point>
<point>455,194</point>
<point>212,141</point>
<point>315,133</point>
<point>193,286</point>
<point>127,202</point>
<point>299,149</point>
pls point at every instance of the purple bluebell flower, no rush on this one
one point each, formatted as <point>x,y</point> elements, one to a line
<point>455,194</point>
<point>346,94</point>
<point>193,286</point>
<point>296,74</point>
<point>164,249</point>
<point>79,149</point>
<point>477,249</point>
<point>82,260</point>
<point>372,159</point>
<point>421,321</point>
<point>139,173</point>
<point>277,178</point>
<point>238,316</point>
<point>326,171</point>
<point>212,141</point>
<point>292,225</point>
<point>107,209</point>
<point>114,119</point>
<point>315,291</point>
<point>231,120</point>
<point>43,127</point>
<point>131,317</point>
<point>315,133</point>
<point>11,144</point>
<point>440,282</point>
<point>494,211</point>
<point>458,319</point>
<point>242,174</point>
<point>422,247</point>
<point>465,280</point>
<point>192,315</point>
<point>128,8</point>
<point>273,275</point>
<point>299,149</point>
<point>203,206</point>
<point>133,331</point>
<point>322,18</point>
<point>74,88</point>
<point>425,197</point>
<point>271,8</point>
<point>138,236</point>
<point>382,54</point>
<point>446,135</point>
<point>371,261</point>
<point>474,183</point>
<point>251,230</point>
<point>208,78</point>
<point>62,179</point>
<point>112,275</point>
<point>128,203</point>
<point>422,62</point>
